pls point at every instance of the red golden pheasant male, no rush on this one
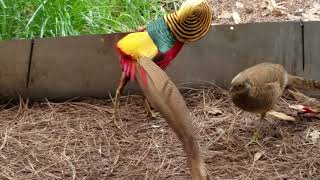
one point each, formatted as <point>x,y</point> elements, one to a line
<point>163,39</point>
<point>144,55</point>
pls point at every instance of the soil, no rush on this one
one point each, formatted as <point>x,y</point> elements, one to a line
<point>265,10</point>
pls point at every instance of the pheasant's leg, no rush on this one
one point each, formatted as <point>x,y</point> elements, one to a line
<point>148,108</point>
<point>123,81</point>
<point>262,116</point>
<point>266,129</point>
<point>259,129</point>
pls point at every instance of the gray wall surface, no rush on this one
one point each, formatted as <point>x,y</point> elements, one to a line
<point>224,52</point>
<point>14,63</point>
<point>74,66</point>
<point>88,66</point>
<point>312,50</point>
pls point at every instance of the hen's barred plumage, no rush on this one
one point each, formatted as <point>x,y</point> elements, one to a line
<point>258,88</point>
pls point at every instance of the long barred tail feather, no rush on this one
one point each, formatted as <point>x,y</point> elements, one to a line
<point>165,97</point>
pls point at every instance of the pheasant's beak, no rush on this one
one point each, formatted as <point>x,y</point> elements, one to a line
<point>231,89</point>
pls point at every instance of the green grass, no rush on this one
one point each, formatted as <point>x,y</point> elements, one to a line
<point>20,19</point>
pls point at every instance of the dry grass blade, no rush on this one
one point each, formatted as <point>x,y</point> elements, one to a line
<point>4,140</point>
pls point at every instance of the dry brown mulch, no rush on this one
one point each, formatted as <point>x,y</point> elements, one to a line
<point>257,11</point>
<point>78,140</point>
<point>251,11</point>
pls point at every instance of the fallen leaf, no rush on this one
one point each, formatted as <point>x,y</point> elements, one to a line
<point>297,107</point>
<point>264,5</point>
<point>281,116</point>
<point>275,8</point>
<point>213,111</point>
<point>265,13</point>
<point>314,135</point>
<point>257,156</point>
<point>299,12</point>
<point>239,5</point>
<point>4,140</point>
<point>116,159</point>
<point>273,5</point>
<point>225,15</point>
<point>248,10</point>
<point>278,13</point>
<point>236,17</point>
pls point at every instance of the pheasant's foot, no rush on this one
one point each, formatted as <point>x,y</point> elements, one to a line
<point>116,121</point>
<point>123,81</point>
<point>150,113</point>
<point>266,129</point>
<point>255,139</point>
<point>116,116</point>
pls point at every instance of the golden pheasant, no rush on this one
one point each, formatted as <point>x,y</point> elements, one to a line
<point>162,39</point>
<point>145,55</point>
<point>258,88</point>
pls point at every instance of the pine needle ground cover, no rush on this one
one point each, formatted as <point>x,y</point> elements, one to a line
<point>78,140</point>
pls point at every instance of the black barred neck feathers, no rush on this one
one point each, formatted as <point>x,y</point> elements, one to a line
<point>191,22</point>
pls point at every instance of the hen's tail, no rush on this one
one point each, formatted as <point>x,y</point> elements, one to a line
<point>302,83</point>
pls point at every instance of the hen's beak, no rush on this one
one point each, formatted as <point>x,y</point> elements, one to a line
<point>231,89</point>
